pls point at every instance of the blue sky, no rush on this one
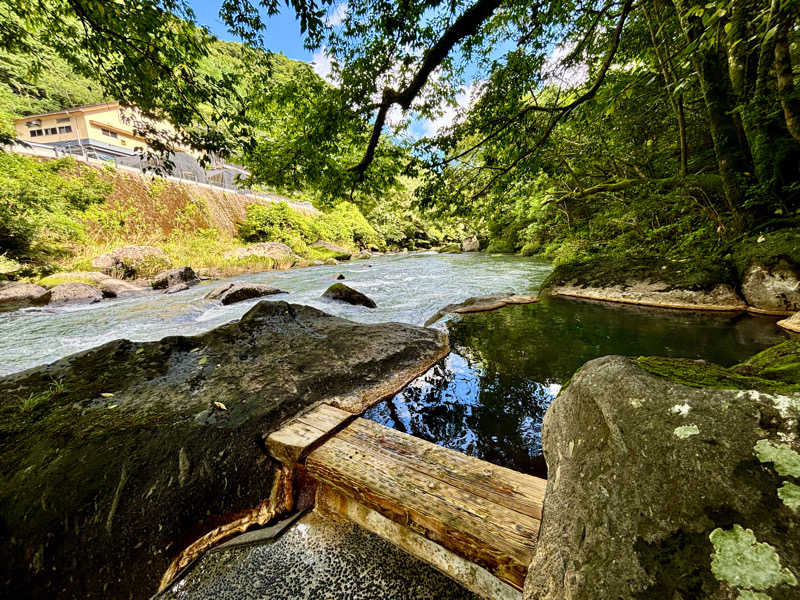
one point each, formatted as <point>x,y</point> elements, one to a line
<point>283,32</point>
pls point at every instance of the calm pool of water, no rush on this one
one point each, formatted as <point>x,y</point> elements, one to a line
<point>489,396</point>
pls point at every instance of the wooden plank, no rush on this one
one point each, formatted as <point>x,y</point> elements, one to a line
<point>516,491</point>
<point>325,417</point>
<point>293,440</point>
<point>471,576</point>
<point>491,535</point>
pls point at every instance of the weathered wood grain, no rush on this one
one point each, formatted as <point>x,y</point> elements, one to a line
<point>294,439</point>
<point>514,490</point>
<point>435,496</point>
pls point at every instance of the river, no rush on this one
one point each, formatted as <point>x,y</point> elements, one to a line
<point>486,399</point>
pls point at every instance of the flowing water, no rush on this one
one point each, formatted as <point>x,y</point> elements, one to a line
<point>486,399</point>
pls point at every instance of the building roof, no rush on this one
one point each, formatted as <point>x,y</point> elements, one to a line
<point>84,108</point>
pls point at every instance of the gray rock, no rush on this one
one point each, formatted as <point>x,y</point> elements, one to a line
<point>178,287</point>
<point>339,292</point>
<point>114,288</point>
<point>20,295</point>
<point>141,448</point>
<point>174,277</point>
<point>237,292</point>
<point>74,293</point>
<point>480,304</point>
<point>364,254</point>
<point>470,244</point>
<point>130,262</point>
<point>661,490</point>
<point>317,262</point>
<point>340,276</point>
<point>774,289</point>
<point>340,253</point>
<point>280,253</point>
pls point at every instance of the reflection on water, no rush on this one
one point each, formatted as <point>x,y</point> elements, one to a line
<point>489,396</point>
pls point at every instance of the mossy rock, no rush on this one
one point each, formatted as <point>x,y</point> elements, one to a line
<point>115,459</point>
<point>451,248</point>
<point>607,271</point>
<point>665,481</point>
<point>501,246</point>
<point>769,251</point>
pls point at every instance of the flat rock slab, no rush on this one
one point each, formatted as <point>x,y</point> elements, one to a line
<point>74,293</point>
<point>116,459</point>
<point>231,293</point>
<point>791,323</point>
<point>319,558</point>
<point>722,297</point>
<point>480,304</point>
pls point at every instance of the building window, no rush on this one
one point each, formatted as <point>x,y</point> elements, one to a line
<point>36,123</point>
<point>108,132</point>
<point>65,129</point>
<point>63,120</point>
<point>50,131</point>
<point>35,132</point>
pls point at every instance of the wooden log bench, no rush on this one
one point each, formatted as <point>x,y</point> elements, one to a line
<point>473,520</point>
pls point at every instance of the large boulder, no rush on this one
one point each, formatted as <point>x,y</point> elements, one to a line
<point>21,295</point>
<point>182,278</point>
<point>132,262</point>
<point>109,286</point>
<point>772,288</point>
<point>281,255</point>
<point>74,293</point>
<point>451,248</point>
<point>115,459</point>
<point>338,252</point>
<point>672,479</point>
<point>471,244</point>
<point>340,292</point>
<point>230,293</point>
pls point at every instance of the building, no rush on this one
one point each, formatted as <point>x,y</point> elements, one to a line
<point>107,132</point>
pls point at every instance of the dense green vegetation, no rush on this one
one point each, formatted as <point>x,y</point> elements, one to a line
<point>665,129</point>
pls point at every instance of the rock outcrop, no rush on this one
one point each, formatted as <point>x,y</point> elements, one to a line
<point>450,249</point>
<point>175,280</point>
<point>721,297</point>
<point>74,293</point>
<point>791,323</point>
<point>471,244</point>
<point>774,288</point>
<point>116,459</point>
<point>282,255</point>
<point>672,479</point>
<point>132,262</point>
<point>339,252</point>
<point>21,295</point>
<point>231,293</point>
<point>340,292</point>
<point>480,304</point>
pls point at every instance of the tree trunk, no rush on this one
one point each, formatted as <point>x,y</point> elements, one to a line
<point>711,67</point>
<point>783,70</point>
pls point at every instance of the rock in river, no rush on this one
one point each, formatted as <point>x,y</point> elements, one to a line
<point>237,292</point>
<point>115,459</point>
<point>74,293</point>
<point>470,244</point>
<point>670,479</point>
<point>339,252</point>
<point>340,292</point>
<point>773,288</point>
<point>480,304</point>
<point>20,295</point>
<point>166,280</point>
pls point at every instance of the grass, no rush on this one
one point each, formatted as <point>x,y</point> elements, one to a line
<point>33,400</point>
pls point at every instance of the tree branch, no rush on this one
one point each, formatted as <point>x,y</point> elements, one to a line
<point>466,25</point>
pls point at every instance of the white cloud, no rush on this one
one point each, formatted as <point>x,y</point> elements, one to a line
<point>322,63</point>
<point>556,73</point>
<point>337,16</point>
